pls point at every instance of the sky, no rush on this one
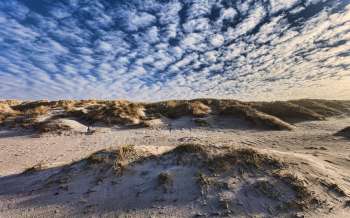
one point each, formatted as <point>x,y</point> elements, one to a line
<point>150,50</point>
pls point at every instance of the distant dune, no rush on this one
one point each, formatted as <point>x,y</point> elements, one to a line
<point>278,115</point>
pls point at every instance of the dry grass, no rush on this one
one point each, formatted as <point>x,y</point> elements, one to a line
<point>37,111</point>
<point>227,159</point>
<point>178,108</point>
<point>269,115</point>
<point>6,111</point>
<point>199,109</point>
<point>318,107</point>
<point>165,180</point>
<point>201,122</point>
<point>127,152</point>
<point>107,156</point>
<point>25,106</point>
<point>267,189</point>
<point>118,159</point>
<point>258,118</point>
<point>334,188</point>
<point>213,166</point>
<point>218,177</point>
<point>6,108</point>
<point>267,121</point>
<point>11,102</point>
<point>36,168</point>
<point>79,114</point>
<point>171,109</point>
<point>102,157</point>
<point>234,108</point>
<point>304,197</point>
<point>188,149</point>
<point>287,111</point>
<point>85,103</point>
<point>117,112</point>
<point>28,117</point>
<point>203,180</point>
<point>343,106</point>
<point>67,105</point>
<point>243,159</point>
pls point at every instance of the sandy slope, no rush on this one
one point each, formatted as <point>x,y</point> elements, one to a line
<point>310,150</point>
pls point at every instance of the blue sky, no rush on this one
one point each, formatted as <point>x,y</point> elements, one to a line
<point>150,50</point>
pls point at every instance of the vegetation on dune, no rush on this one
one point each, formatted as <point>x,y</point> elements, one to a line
<point>333,187</point>
<point>318,107</point>
<point>199,109</point>
<point>6,111</point>
<point>201,122</point>
<point>216,160</point>
<point>37,111</point>
<point>171,109</point>
<point>165,181</point>
<point>36,168</point>
<point>118,159</point>
<point>258,118</point>
<point>116,112</point>
<point>102,157</point>
<point>243,159</point>
<point>222,176</point>
<point>305,198</point>
<point>178,108</point>
<point>188,148</point>
<point>276,115</point>
<point>343,106</point>
<point>287,111</point>
<point>32,105</point>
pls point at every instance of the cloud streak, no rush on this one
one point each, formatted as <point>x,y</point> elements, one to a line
<point>153,50</point>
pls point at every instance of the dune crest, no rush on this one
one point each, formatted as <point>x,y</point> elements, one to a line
<point>277,115</point>
<point>227,181</point>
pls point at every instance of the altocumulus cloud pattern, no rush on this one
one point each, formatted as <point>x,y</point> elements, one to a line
<point>158,49</point>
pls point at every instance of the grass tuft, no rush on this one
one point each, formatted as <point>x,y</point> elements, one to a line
<point>165,180</point>
<point>188,149</point>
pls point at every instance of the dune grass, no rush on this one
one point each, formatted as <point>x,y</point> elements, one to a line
<point>278,115</point>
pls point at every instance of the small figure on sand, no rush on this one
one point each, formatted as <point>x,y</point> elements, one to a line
<point>170,127</point>
<point>89,131</point>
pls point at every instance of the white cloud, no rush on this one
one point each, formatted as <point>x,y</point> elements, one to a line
<point>278,5</point>
<point>217,40</point>
<point>137,20</point>
<point>211,56</point>
<point>196,25</point>
<point>104,46</point>
<point>228,13</point>
<point>192,40</point>
<point>152,35</point>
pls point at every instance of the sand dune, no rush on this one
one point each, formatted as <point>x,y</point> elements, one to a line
<point>265,115</point>
<point>225,181</point>
<point>198,158</point>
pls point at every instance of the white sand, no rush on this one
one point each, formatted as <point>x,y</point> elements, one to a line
<point>312,142</point>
